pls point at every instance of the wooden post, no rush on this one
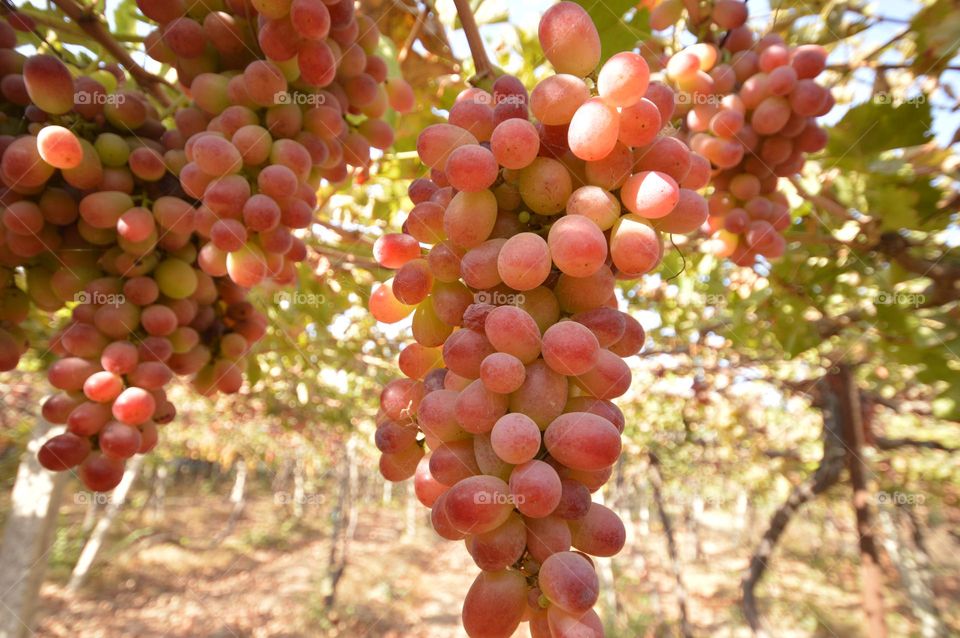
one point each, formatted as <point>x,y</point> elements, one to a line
<point>851,417</point>
<point>92,547</point>
<point>29,530</point>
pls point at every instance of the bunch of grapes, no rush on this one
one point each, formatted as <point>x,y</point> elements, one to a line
<point>92,214</point>
<point>295,70</point>
<point>750,107</point>
<point>700,15</point>
<point>505,418</point>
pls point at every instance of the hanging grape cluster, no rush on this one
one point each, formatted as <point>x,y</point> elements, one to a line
<point>505,418</point>
<point>749,105</point>
<point>155,235</point>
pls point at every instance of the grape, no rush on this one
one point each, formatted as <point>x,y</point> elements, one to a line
<point>102,387</point>
<point>513,331</point>
<point>594,203</point>
<point>134,406</point>
<point>623,79</point>
<point>555,100</point>
<point>453,461</point>
<point>469,218</point>
<point>542,395</point>
<point>547,536</point>
<point>650,194</point>
<point>477,408</point>
<point>545,186</point>
<point>535,488</point>
<point>495,604</point>
<point>583,441</point>
<point>612,171</point>
<point>570,348</point>
<point>639,123</point>
<point>515,438</point>
<point>577,294</point>
<point>22,167</point>
<point>502,373</point>
<point>499,548</point>
<point>569,581</point>
<point>438,141</point>
<point>569,39</point>
<point>59,147</point>
<point>100,473</point>
<point>577,245</point>
<point>471,168</point>
<point>119,441</point>
<point>400,466</point>
<point>600,532</point>
<point>524,261</point>
<point>478,267</point>
<point>574,503</point>
<point>565,625</point>
<point>689,214</point>
<point>63,452</point>
<point>478,504</point>
<point>632,340</point>
<point>436,415</point>
<point>49,84</point>
<point>515,143</point>
<point>608,380</point>
<point>426,487</point>
<point>594,130</point>
<point>770,115</point>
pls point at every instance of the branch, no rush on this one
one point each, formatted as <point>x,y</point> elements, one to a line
<point>883,443</point>
<point>470,29</point>
<point>656,482</point>
<point>90,22</point>
<point>826,476</point>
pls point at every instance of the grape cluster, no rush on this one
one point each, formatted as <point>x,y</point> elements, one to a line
<point>505,418</point>
<point>750,107</point>
<point>295,70</point>
<point>699,14</point>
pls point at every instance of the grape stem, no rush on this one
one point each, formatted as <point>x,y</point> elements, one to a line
<point>91,24</point>
<point>470,29</point>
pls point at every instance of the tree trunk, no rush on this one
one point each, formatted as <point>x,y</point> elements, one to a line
<point>696,517</point>
<point>411,507</point>
<point>34,504</point>
<point>871,585</point>
<point>913,567</point>
<point>159,493</point>
<point>826,475</point>
<point>656,482</point>
<point>299,492</point>
<point>92,547</point>
<point>344,523</point>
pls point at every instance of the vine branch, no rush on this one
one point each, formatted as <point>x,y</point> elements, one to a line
<point>91,24</point>
<point>470,29</point>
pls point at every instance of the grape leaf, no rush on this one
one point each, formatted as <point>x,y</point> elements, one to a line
<point>874,127</point>
<point>617,33</point>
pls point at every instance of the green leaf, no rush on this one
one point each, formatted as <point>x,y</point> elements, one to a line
<point>616,33</point>
<point>874,127</point>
